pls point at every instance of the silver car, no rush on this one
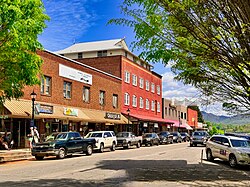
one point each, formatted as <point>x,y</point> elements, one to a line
<point>235,150</point>
<point>199,137</point>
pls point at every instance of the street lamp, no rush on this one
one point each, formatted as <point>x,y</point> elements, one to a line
<point>128,111</point>
<point>33,97</point>
<point>179,124</point>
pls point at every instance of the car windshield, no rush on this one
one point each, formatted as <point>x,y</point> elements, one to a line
<point>51,137</point>
<point>183,134</point>
<point>163,133</point>
<point>148,135</point>
<point>62,136</point>
<point>240,143</point>
<point>199,134</point>
<point>123,134</point>
<point>93,134</point>
<point>174,133</point>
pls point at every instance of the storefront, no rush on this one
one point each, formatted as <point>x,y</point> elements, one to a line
<point>49,118</point>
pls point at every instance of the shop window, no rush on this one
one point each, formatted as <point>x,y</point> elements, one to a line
<point>86,94</point>
<point>102,97</point>
<point>46,85</point>
<point>67,86</point>
<point>79,55</point>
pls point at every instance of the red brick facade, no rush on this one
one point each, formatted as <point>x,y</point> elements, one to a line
<point>192,118</point>
<point>101,81</point>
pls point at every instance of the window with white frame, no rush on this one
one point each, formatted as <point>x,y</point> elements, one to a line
<point>102,97</point>
<point>85,95</point>
<point>46,85</point>
<point>147,85</point>
<point>147,104</point>
<point>141,82</point>
<point>115,100</point>
<point>158,90</point>
<point>152,105</point>
<point>127,77</point>
<point>141,102</point>
<point>158,107</point>
<point>126,99</point>
<point>134,80</point>
<point>134,101</point>
<point>102,53</point>
<point>67,89</point>
<point>152,87</point>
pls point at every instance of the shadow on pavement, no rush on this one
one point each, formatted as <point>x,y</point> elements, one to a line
<point>147,171</point>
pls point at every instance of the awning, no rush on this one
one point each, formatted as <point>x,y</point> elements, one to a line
<point>176,123</point>
<point>99,116</point>
<point>188,127</point>
<point>147,118</point>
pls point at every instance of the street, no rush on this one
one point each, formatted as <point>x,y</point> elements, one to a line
<point>164,165</point>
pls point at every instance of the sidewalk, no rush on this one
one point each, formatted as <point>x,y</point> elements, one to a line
<point>15,155</point>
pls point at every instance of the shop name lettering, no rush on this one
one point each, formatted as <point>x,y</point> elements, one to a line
<point>47,109</point>
<point>113,116</point>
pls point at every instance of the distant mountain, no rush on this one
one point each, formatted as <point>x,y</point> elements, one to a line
<point>234,120</point>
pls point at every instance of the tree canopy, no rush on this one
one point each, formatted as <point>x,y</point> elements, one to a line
<point>208,41</point>
<point>20,23</point>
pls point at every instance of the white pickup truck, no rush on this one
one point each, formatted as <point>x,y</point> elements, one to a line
<point>128,139</point>
<point>103,139</point>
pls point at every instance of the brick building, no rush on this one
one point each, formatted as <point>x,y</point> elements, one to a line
<point>192,118</point>
<point>141,88</point>
<point>72,96</point>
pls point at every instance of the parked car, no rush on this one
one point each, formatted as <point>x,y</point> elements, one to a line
<point>233,149</point>
<point>51,137</point>
<point>185,137</point>
<point>199,137</point>
<point>150,139</point>
<point>104,139</point>
<point>65,143</point>
<point>128,139</point>
<point>165,137</point>
<point>176,137</point>
<point>241,135</point>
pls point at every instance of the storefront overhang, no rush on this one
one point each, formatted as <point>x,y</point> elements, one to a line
<point>176,123</point>
<point>100,116</point>
<point>147,118</point>
<point>23,109</point>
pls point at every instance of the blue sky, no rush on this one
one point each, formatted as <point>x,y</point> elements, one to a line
<point>75,21</point>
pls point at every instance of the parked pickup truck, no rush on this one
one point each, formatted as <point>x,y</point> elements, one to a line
<point>128,139</point>
<point>65,143</point>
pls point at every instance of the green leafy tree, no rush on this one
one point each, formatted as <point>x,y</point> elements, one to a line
<point>208,41</point>
<point>20,24</point>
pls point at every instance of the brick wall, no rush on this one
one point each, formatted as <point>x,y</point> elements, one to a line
<point>101,81</point>
<point>192,118</point>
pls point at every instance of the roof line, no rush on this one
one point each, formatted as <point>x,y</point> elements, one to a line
<point>81,64</point>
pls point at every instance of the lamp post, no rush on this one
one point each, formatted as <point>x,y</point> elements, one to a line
<point>33,98</point>
<point>128,111</point>
<point>179,124</point>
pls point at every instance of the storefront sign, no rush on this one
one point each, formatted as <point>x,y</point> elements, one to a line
<point>70,111</point>
<point>156,125</point>
<point>145,124</point>
<point>74,74</point>
<point>110,115</point>
<point>46,109</point>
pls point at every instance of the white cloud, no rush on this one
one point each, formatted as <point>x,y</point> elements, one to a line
<point>68,21</point>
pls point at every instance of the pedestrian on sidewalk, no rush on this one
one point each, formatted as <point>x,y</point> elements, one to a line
<point>3,142</point>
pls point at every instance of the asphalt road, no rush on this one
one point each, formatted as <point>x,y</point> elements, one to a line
<point>165,165</point>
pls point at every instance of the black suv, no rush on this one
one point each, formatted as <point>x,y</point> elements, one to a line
<point>165,137</point>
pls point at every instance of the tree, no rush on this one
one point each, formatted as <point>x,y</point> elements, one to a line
<point>207,40</point>
<point>20,24</point>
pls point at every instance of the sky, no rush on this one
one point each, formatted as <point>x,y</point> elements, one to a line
<point>75,21</point>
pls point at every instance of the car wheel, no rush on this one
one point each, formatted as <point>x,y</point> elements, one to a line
<point>101,150</point>
<point>151,143</point>
<point>113,147</point>
<point>138,145</point>
<point>191,145</point>
<point>129,145</point>
<point>209,155</point>
<point>89,150</point>
<point>158,143</point>
<point>195,144</point>
<point>39,157</point>
<point>62,153</point>
<point>232,161</point>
